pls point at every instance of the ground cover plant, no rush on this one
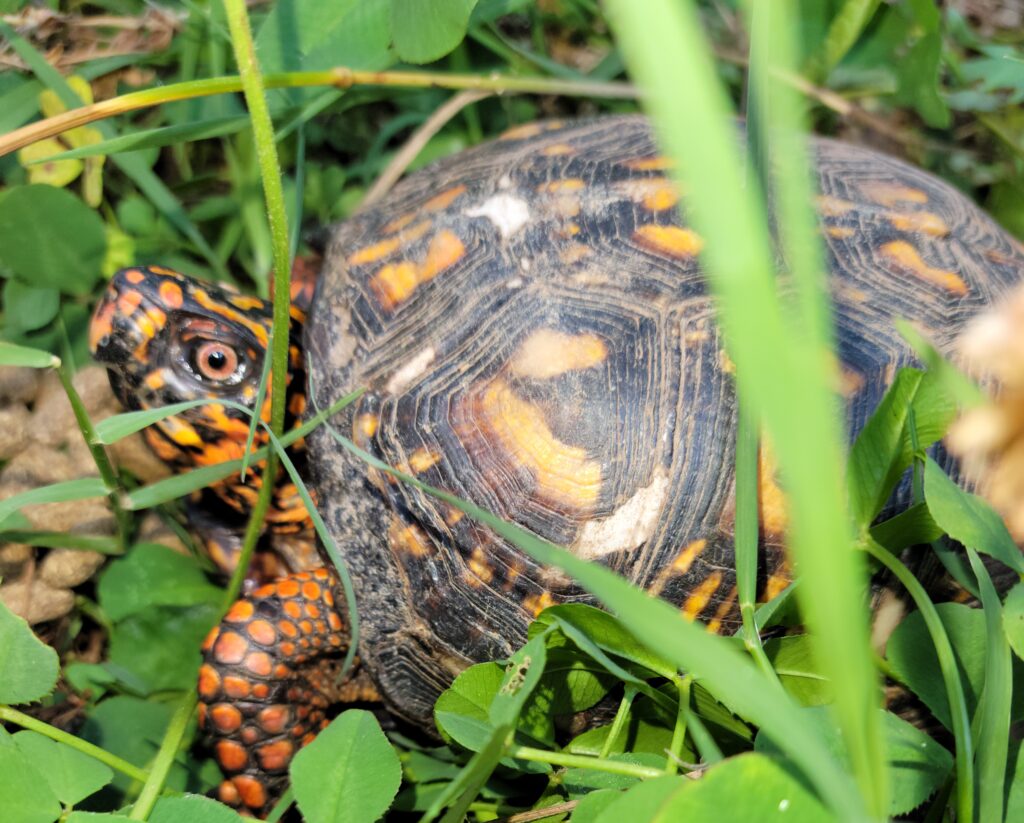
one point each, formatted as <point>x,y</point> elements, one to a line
<point>223,178</point>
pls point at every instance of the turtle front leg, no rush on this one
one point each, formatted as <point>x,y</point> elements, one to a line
<point>269,677</point>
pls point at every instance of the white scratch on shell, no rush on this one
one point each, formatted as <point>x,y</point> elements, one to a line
<point>629,526</point>
<point>508,213</point>
<point>404,377</point>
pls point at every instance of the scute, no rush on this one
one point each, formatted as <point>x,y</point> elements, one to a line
<point>531,324</point>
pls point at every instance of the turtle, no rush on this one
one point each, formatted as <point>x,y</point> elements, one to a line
<point>530,324</point>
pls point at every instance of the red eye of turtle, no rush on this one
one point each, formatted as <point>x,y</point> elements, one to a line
<point>216,360</point>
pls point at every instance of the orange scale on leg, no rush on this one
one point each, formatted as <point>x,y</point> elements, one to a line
<point>240,612</point>
<point>312,610</point>
<point>311,591</point>
<point>228,794</point>
<point>230,648</point>
<point>225,717</point>
<point>209,681</point>
<point>292,609</point>
<point>237,688</point>
<point>231,756</point>
<point>288,588</point>
<point>259,663</point>
<point>275,756</point>
<point>250,735</point>
<point>252,792</point>
<point>262,631</point>
<point>275,719</point>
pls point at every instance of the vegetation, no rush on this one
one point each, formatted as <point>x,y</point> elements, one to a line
<point>190,178</point>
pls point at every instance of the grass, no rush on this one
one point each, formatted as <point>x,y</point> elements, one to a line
<point>785,371</point>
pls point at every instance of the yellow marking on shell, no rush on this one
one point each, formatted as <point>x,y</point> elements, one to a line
<point>561,186</point>
<point>564,474</point>
<point>375,252</point>
<point>678,567</point>
<point>887,193</point>
<point>701,596</point>
<point>523,132</point>
<point>774,508</point>
<point>547,353</point>
<point>134,276</point>
<point>840,232</point>
<point>452,515</point>
<point>170,294</point>
<point>831,206</point>
<point>399,223</point>
<point>478,565</point>
<point>128,302</point>
<point>558,150</point>
<point>245,302</point>
<point>907,258</point>
<point>156,380</point>
<point>725,362</point>
<point>366,426</point>
<point>723,610</point>
<point>257,330</point>
<point>919,221</point>
<point>673,241</point>
<point>423,459</point>
<point>575,252</point>
<point>408,538</point>
<point>653,193</point>
<point>774,585</point>
<point>165,271</point>
<point>536,603</point>
<point>573,229</point>
<point>850,382</point>
<point>659,163</point>
<point>443,200</point>
<point>395,283</point>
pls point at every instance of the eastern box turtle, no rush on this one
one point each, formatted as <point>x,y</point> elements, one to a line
<point>532,327</point>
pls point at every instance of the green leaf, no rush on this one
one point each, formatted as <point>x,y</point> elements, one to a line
<point>470,780</point>
<point>640,802</point>
<point>153,575</point>
<point>883,451</point>
<point>967,518</point>
<point>133,729</point>
<point>192,808</point>
<point>582,780</point>
<point>50,238</point>
<point>28,667</point>
<point>589,807</point>
<point>349,773</point>
<point>522,674</point>
<point>918,73</point>
<point>919,765</point>
<point>70,774</point>
<point>912,656</point>
<point>572,682</point>
<point>793,661</point>
<point>310,35</point>
<point>27,308</point>
<point>741,789</point>
<point>1013,619</point>
<point>912,527</point>
<point>608,633</point>
<point>427,30</point>
<point>25,796</point>
<point>994,709</point>
<point>462,710</point>
<point>160,646</point>
<point>11,355</point>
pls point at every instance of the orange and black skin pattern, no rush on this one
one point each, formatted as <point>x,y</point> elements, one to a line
<point>270,676</point>
<point>271,668</point>
<point>165,338</point>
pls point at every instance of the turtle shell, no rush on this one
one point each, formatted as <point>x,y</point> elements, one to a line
<point>531,324</point>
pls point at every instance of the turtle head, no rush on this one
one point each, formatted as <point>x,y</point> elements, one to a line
<point>166,338</point>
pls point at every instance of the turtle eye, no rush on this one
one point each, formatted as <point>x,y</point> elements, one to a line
<point>218,361</point>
